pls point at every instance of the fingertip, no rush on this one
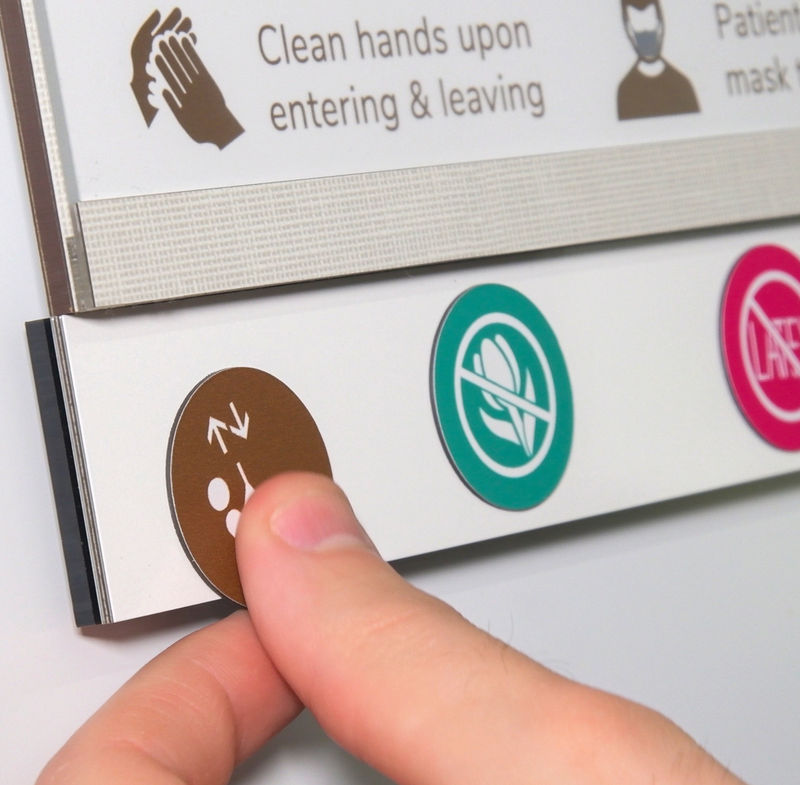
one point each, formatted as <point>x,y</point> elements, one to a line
<point>306,511</point>
<point>276,491</point>
<point>153,20</point>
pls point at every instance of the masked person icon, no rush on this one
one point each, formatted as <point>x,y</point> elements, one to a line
<point>653,87</point>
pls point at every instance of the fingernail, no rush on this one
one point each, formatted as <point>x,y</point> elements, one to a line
<point>317,522</point>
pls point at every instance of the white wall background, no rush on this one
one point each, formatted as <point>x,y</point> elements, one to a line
<point>692,607</point>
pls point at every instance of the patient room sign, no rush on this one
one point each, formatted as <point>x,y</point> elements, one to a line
<point>761,342</point>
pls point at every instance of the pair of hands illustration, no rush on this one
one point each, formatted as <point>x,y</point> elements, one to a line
<point>393,675</point>
<point>191,92</point>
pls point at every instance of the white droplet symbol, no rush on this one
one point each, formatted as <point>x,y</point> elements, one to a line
<point>232,521</point>
<point>219,497</point>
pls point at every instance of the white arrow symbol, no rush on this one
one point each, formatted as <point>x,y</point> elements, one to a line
<point>215,428</point>
<point>241,428</point>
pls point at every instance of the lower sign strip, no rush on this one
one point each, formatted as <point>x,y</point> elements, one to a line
<point>617,348</point>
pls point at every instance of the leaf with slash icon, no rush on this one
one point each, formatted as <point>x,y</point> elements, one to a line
<point>497,363</point>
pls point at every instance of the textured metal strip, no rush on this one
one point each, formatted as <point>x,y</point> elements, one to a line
<point>198,242</point>
<point>24,71</point>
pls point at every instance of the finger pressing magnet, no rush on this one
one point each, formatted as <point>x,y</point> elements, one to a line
<point>235,429</point>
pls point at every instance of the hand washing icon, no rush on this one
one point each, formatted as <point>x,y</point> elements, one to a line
<point>166,65</point>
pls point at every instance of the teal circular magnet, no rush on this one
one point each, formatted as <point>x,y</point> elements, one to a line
<point>502,397</point>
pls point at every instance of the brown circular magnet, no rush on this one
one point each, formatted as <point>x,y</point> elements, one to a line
<point>235,429</point>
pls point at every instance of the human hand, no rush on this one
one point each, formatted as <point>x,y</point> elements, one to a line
<point>193,95</point>
<point>395,676</point>
<point>141,51</point>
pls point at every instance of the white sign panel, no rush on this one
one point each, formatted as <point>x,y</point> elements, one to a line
<point>211,95</point>
<point>209,147</point>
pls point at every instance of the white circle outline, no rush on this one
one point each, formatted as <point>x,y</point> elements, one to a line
<point>791,416</point>
<point>531,466</point>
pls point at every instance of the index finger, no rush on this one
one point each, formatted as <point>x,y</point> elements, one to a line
<point>189,716</point>
<point>409,686</point>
